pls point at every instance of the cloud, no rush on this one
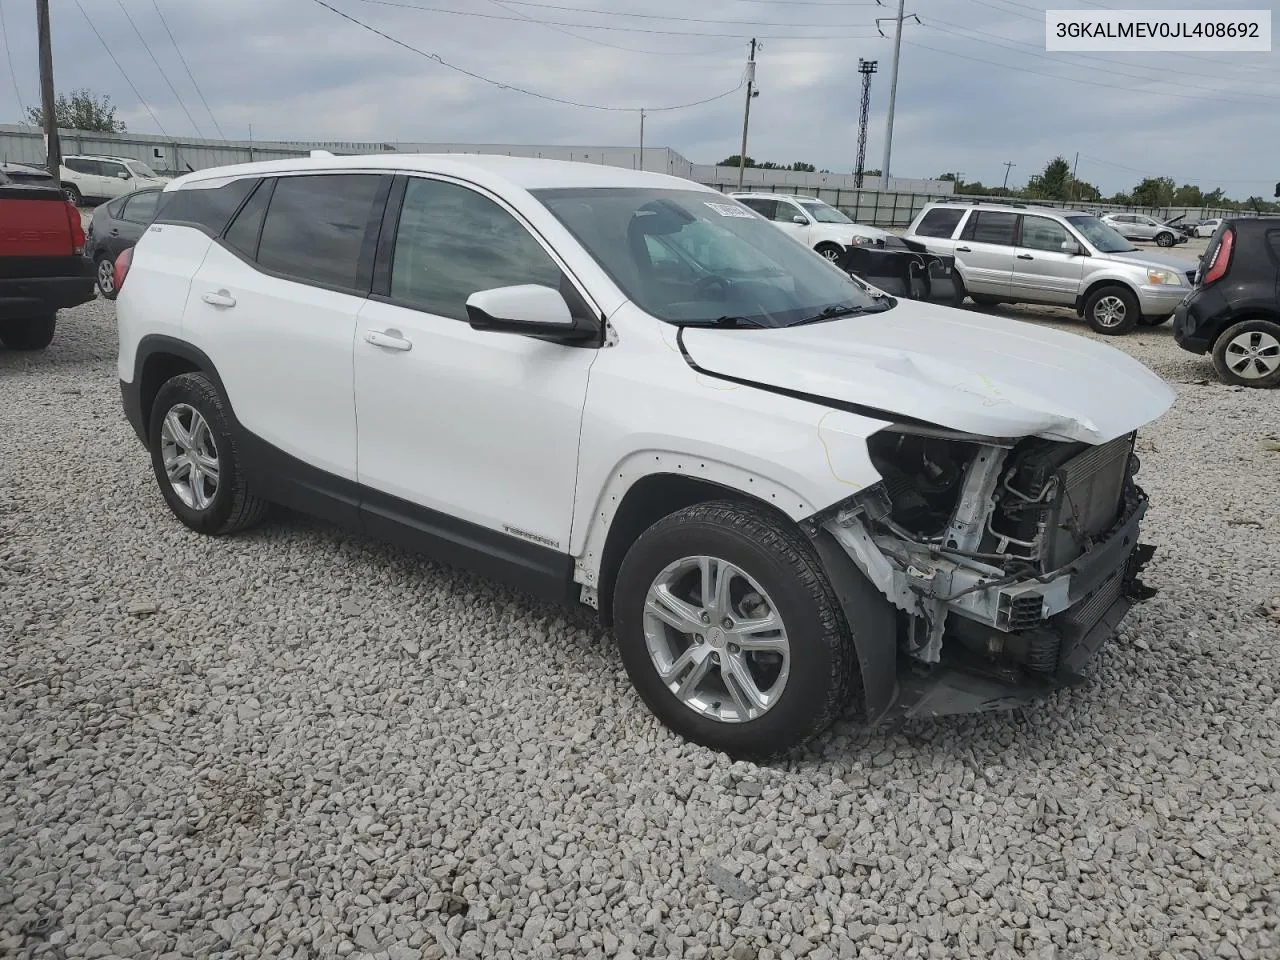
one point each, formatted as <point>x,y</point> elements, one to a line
<point>976,88</point>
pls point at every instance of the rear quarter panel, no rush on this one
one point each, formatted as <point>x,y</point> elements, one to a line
<point>154,296</point>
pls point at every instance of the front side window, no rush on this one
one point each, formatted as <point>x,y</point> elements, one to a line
<point>140,169</point>
<point>940,222</point>
<point>1041,233</point>
<point>115,171</point>
<point>732,267</point>
<point>992,226</point>
<point>1102,237</point>
<point>452,242</point>
<point>316,226</point>
<point>788,211</point>
<point>823,212</point>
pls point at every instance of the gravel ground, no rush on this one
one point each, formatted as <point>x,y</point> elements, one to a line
<point>298,743</point>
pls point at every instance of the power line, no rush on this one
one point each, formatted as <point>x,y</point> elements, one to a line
<point>146,46</point>
<point>606,43</point>
<point>13,75</point>
<point>178,51</point>
<point>617,29</point>
<point>662,16</point>
<point>121,69</point>
<point>507,86</point>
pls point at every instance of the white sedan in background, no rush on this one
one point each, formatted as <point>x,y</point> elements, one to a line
<point>811,221</point>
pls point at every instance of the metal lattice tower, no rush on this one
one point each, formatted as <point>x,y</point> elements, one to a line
<point>866,68</point>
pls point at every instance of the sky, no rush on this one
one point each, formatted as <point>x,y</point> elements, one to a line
<point>976,86</point>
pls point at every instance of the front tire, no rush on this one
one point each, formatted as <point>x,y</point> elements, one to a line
<point>105,276</point>
<point>196,460</point>
<point>30,333</point>
<point>730,631</point>
<point>830,251</point>
<point>1112,311</point>
<point>1164,239</point>
<point>1248,354</point>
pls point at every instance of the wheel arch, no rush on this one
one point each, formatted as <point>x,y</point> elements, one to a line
<point>1096,285</point>
<point>160,359</point>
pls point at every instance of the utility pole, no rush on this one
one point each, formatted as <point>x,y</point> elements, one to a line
<point>746,113</point>
<point>893,88</point>
<point>642,138</point>
<point>866,68</point>
<point>1008,165</point>
<point>48,105</point>
<point>1075,184</point>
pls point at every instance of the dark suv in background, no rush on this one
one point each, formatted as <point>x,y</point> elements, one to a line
<point>1233,311</point>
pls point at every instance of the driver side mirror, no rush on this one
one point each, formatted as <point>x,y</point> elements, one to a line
<point>123,174</point>
<point>1071,248</point>
<point>800,219</point>
<point>529,309</point>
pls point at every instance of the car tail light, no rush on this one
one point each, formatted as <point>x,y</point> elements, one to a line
<point>122,267</point>
<point>77,228</point>
<point>1217,266</point>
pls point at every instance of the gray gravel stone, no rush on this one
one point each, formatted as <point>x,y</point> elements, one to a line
<point>314,745</point>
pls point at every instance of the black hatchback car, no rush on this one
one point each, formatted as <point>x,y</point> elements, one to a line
<point>116,226</point>
<point>1233,311</point>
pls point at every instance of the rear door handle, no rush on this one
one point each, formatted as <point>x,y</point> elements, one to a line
<point>1025,256</point>
<point>963,250</point>
<point>219,299</point>
<point>390,339</point>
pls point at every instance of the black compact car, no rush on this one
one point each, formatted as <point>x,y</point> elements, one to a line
<point>117,226</point>
<point>1233,311</point>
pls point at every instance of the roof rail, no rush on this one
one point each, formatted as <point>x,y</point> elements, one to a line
<point>996,202</point>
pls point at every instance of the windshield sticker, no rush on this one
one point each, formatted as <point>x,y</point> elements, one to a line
<point>728,210</point>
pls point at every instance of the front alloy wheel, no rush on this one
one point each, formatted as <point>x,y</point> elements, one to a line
<point>716,639</point>
<point>731,632</point>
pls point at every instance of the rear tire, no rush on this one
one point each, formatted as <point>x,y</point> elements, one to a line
<point>72,193</point>
<point>1112,311</point>
<point>105,276</point>
<point>204,483</point>
<point>758,569</point>
<point>1248,354</point>
<point>31,333</point>
<point>982,300</point>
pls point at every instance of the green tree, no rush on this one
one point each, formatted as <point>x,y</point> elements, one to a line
<point>733,161</point>
<point>81,110</point>
<point>1054,183</point>
<point>1154,192</point>
<point>1188,196</point>
<point>801,167</point>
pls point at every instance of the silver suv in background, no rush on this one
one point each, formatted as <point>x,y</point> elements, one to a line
<point>1013,253</point>
<point>1138,226</point>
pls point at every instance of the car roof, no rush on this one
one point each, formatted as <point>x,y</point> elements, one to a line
<point>1013,205</point>
<point>484,169</point>
<point>777,196</point>
<point>100,156</point>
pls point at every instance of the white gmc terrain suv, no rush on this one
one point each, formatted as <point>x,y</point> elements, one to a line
<point>783,489</point>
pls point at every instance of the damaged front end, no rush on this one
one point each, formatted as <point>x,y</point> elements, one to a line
<point>1011,562</point>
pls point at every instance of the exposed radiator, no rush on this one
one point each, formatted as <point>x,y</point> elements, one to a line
<point>1090,488</point>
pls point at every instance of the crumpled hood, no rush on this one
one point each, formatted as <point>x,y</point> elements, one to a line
<point>953,368</point>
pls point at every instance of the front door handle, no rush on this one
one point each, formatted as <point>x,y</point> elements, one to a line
<point>219,299</point>
<point>963,250</point>
<point>1025,256</point>
<point>390,339</point>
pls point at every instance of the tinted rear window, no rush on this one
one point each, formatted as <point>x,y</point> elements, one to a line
<point>940,222</point>
<point>316,227</point>
<point>208,209</point>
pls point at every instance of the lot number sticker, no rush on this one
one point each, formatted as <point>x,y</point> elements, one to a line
<point>728,210</point>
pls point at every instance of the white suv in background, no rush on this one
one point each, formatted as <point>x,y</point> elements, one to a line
<point>105,178</point>
<point>813,222</point>
<point>784,490</point>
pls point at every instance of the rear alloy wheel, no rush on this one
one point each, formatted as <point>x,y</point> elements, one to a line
<point>72,193</point>
<point>1248,354</point>
<point>195,459</point>
<point>1112,311</point>
<point>30,333</point>
<point>1164,239</point>
<point>105,274</point>
<point>730,631</point>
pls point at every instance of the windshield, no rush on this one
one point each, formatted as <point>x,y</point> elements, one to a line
<point>140,169</point>
<point>693,257</point>
<point>1102,237</point>
<point>823,212</point>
